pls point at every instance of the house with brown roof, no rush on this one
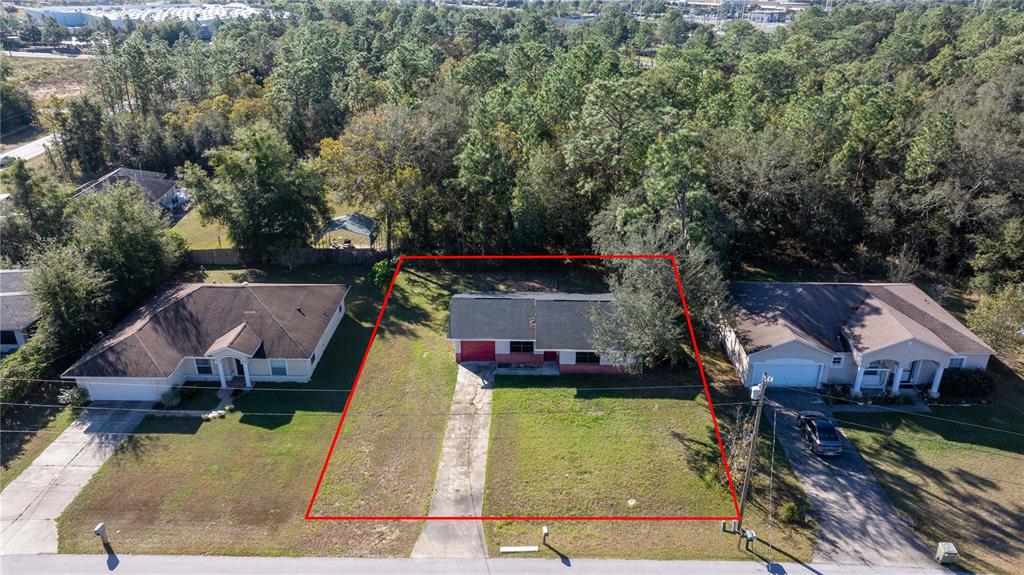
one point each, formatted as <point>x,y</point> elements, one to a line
<point>234,334</point>
<point>880,337</point>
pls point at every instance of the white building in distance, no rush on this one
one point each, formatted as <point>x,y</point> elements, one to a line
<point>78,16</point>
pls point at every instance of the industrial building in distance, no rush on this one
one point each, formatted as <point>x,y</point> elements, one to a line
<point>120,15</point>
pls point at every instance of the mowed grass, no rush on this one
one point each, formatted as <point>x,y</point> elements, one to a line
<point>600,446</point>
<point>19,450</point>
<point>956,482</point>
<point>212,235</point>
<point>202,236</point>
<point>387,453</point>
<point>607,448</point>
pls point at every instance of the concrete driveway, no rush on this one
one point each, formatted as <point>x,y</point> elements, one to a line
<point>31,504</point>
<point>856,522</point>
<point>459,485</point>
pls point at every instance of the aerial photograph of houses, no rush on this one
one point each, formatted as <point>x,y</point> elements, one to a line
<point>524,286</point>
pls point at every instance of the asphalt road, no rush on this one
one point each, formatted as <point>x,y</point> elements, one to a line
<point>31,149</point>
<point>50,55</point>
<point>856,522</point>
<point>196,565</point>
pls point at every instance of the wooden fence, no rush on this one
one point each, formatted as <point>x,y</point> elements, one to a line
<point>299,256</point>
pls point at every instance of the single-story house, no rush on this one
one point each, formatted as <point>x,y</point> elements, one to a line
<point>157,186</point>
<point>232,333</point>
<point>528,328</point>
<point>18,311</point>
<point>874,336</point>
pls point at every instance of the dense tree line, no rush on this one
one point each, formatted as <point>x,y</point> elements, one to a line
<point>885,139</point>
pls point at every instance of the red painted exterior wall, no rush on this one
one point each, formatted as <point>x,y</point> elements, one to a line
<point>588,368</point>
<point>524,358</point>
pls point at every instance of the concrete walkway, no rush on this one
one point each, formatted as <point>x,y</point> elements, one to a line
<point>177,564</point>
<point>31,504</point>
<point>459,485</point>
<point>856,523</point>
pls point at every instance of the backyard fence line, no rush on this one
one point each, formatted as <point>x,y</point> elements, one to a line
<point>297,256</point>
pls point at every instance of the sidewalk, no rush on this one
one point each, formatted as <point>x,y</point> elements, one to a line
<point>31,504</point>
<point>196,565</point>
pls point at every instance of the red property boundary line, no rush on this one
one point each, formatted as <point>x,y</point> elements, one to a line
<point>700,365</point>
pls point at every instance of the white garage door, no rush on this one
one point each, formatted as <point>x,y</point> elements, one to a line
<point>133,391</point>
<point>789,374</point>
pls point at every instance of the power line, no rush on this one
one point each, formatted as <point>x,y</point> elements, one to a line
<point>379,413</point>
<point>257,387</point>
<point>905,412</point>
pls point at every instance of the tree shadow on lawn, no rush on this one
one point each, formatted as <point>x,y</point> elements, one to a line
<point>657,384</point>
<point>961,498</point>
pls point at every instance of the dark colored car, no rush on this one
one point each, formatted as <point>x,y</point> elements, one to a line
<point>821,434</point>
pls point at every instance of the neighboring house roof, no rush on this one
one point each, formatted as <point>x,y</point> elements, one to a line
<point>838,317</point>
<point>154,184</point>
<point>17,308</point>
<point>190,320</point>
<point>551,320</point>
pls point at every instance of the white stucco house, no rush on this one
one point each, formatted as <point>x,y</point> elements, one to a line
<point>877,337</point>
<point>234,334</point>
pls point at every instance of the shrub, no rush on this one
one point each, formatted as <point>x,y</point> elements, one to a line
<point>834,391</point>
<point>791,513</point>
<point>967,384</point>
<point>73,397</point>
<point>171,397</point>
<point>892,399</point>
<point>383,271</point>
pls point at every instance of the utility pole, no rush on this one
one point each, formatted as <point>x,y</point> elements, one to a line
<point>760,389</point>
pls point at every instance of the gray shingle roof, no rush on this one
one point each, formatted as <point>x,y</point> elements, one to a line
<point>872,315</point>
<point>186,320</point>
<point>551,320</point>
<point>154,184</point>
<point>17,308</point>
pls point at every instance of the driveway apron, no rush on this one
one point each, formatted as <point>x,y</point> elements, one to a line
<point>31,504</point>
<point>856,522</point>
<point>459,484</point>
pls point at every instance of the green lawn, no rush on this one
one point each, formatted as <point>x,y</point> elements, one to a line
<point>200,236</point>
<point>591,452</point>
<point>19,450</point>
<point>239,485</point>
<point>955,482</point>
<point>214,235</point>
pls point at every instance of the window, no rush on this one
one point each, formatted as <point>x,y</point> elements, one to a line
<point>341,307</point>
<point>204,366</point>
<point>587,357</point>
<point>837,361</point>
<point>956,362</point>
<point>520,347</point>
<point>278,367</point>
<point>312,358</point>
<point>7,337</point>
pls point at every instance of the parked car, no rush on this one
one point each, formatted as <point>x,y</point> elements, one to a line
<point>821,434</point>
